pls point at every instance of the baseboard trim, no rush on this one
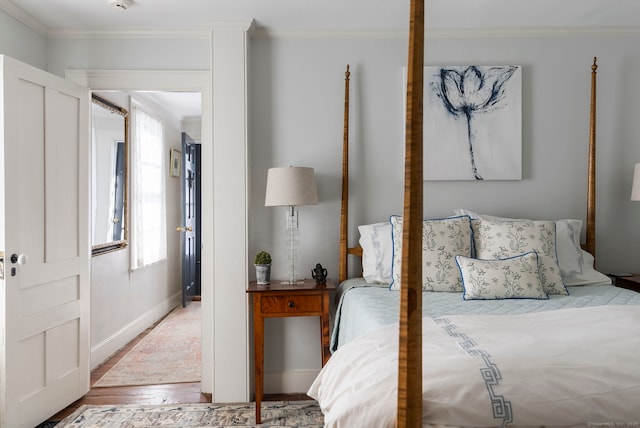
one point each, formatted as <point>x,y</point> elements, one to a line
<point>105,349</point>
<point>289,381</point>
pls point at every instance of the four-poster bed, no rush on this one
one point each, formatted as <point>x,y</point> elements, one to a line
<point>534,355</point>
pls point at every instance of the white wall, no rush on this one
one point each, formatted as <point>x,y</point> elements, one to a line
<point>193,127</point>
<point>22,43</point>
<point>296,118</point>
<point>183,53</point>
<point>228,195</point>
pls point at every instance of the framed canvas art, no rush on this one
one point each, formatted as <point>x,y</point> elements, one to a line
<point>473,122</point>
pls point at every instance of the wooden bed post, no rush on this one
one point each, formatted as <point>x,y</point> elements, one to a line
<point>344,206</point>
<point>591,184</point>
<point>410,334</point>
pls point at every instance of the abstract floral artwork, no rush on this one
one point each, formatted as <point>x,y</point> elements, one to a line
<point>473,123</point>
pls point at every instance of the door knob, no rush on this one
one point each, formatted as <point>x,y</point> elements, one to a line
<point>20,259</point>
<point>184,229</point>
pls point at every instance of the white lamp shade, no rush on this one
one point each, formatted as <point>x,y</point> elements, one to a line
<point>291,185</point>
<point>635,189</point>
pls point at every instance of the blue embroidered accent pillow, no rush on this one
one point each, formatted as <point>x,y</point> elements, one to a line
<point>512,278</point>
<point>501,240</point>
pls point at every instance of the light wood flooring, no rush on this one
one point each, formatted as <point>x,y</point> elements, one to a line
<point>175,393</point>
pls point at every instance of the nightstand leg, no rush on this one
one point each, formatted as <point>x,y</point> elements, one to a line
<point>324,329</point>
<point>258,343</point>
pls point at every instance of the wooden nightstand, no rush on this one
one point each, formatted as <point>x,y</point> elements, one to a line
<point>277,300</point>
<point>631,282</point>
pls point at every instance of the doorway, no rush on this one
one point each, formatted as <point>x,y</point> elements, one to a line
<point>233,358</point>
<point>160,282</point>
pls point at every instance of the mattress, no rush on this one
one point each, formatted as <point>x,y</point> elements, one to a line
<point>364,307</point>
<point>566,367</point>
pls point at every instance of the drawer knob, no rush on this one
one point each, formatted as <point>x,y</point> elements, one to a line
<point>291,304</point>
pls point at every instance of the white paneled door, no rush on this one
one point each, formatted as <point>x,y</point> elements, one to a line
<point>44,234</point>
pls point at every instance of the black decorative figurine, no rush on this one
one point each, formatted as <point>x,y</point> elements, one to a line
<point>319,274</point>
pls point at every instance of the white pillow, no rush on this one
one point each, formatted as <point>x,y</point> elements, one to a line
<point>377,252</point>
<point>512,278</point>
<point>442,240</point>
<point>576,265</point>
<point>588,275</point>
<point>504,239</point>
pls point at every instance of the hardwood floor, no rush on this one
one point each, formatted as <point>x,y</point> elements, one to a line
<point>147,394</point>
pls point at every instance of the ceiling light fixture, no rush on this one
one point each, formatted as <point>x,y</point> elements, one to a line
<point>120,4</point>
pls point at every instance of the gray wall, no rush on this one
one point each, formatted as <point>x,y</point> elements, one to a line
<point>296,96</point>
<point>296,118</point>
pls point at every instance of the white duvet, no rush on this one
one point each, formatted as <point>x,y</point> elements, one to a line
<point>570,367</point>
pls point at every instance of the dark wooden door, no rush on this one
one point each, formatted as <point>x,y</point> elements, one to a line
<point>190,228</point>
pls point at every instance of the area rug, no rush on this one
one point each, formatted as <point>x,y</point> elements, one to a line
<point>170,353</point>
<point>274,414</point>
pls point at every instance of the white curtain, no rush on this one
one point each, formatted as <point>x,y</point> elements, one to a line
<point>148,211</point>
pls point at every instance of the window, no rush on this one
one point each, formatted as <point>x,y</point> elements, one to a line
<point>148,225</point>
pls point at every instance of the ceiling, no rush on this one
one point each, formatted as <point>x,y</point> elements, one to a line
<point>59,16</point>
<point>182,104</point>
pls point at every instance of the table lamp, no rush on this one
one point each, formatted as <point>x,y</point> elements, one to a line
<point>291,186</point>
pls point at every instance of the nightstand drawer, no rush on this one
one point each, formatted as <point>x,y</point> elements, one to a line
<point>291,304</point>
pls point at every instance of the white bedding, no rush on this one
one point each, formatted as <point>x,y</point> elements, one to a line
<point>363,308</point>
<point>568,367</point>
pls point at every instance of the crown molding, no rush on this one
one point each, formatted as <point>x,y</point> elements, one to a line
<point>269,33</point>
<point>22,16</point>
<point>539,32</point>
<point>201,33</point>
<point>241,24</point>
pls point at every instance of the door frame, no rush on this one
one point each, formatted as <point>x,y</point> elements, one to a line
<point>225,202</point>
<point>176,81</point>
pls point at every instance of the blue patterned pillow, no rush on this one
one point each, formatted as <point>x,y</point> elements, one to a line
<point>442,240</point>
<point>512,278</point>
<point>501,240</point>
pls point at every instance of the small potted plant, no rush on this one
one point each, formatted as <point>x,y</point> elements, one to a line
<point>262,262</point>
